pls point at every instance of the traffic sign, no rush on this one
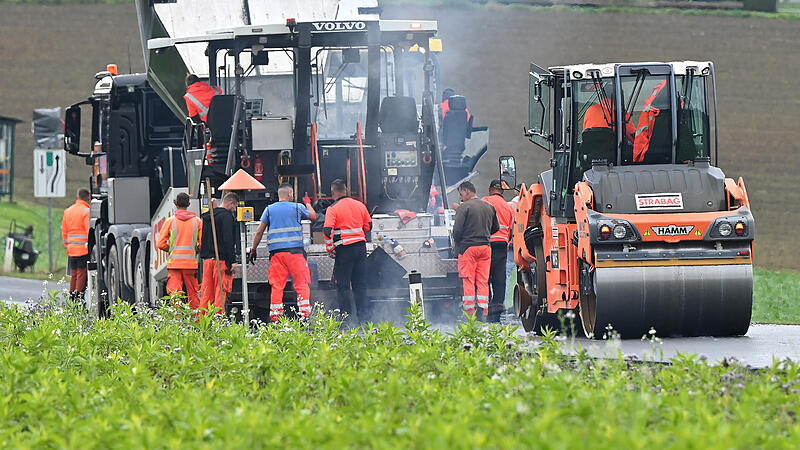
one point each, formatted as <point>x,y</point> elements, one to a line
<point>49,173</point>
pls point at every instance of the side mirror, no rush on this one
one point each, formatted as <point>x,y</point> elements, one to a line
<point>72,129</point>
<point>508,170</point>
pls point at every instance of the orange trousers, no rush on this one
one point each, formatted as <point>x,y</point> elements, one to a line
<point>209,292</point>
<point>473,268</point>
<point>281,266</point>
<point>188,277</point>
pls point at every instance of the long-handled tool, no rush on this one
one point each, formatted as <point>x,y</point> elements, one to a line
<point>214,235</point>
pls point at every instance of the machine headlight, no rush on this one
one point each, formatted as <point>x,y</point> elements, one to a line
<point>724,229</point>
<point>620,231</point>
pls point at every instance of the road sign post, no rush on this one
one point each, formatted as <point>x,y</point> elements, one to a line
<point>49,180</point>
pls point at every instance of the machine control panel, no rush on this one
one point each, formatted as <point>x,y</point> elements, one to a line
<point>401,158</point>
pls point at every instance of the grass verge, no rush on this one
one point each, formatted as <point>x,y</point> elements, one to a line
<point>631,7</point>
<point>159,379</point>
<point>776,296</point>
<point>32,214</point>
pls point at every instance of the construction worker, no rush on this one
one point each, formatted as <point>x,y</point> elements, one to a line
<point>347,222</point>
<point>75,232</point>
<point>218,271</point>
<point>475,222</point>
<point>198,97</point>
<point>181,236</point>
<point>499,244</point>
<point>287,257</point>
<point>601,114</point>
<point>444,107</point>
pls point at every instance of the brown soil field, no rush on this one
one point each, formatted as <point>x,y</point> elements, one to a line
<point>48,55</point>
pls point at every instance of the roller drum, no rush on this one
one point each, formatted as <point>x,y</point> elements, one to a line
<point>713,300</point>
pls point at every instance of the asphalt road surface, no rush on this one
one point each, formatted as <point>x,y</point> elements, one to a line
<point>761,345</point>
<point>20,290</point>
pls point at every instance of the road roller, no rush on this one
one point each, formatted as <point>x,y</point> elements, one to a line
<point>634,227</point>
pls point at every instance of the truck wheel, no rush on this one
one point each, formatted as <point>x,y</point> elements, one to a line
<point>113,276</point>
<point>100,294</point>
<point>156,292</point>
<point>141,291</point>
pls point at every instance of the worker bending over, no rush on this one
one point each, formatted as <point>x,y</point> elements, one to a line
<point>180,236</point>
<point>475,221</point>
<point>282,220</point>
<point>198,97</point>
<point>75,232</point>
<point>347,222</point>
<point>499,244</point>
<point>218,272</point>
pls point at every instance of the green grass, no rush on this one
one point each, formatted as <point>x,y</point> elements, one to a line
<point>159,380</point>
<point>776,296</point>
<point>36,215</point>
<point>626,7</point>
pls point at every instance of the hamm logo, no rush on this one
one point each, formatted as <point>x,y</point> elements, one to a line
<point>339,26</point>
<point>673,230</point>
<point>645,202</point>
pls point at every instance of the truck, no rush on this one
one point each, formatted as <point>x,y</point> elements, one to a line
<point>303,102</point>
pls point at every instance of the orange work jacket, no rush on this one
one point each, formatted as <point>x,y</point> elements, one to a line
<point>599,117</point>
<point>505,217</point>
<point>75,229</point>
<point>180,237</point>
<point>198,99</point>
<point>346,222</point>
<point>644,132</point>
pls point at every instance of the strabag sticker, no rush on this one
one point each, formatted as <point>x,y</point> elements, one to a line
<point>673,230</point>
<point>645,202</point>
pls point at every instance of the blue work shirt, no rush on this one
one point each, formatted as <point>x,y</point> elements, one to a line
<point>284,230</point>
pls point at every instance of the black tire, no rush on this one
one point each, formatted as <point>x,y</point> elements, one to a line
<point>141,291</point>
<point>100,291</point>
<point>113,280</point>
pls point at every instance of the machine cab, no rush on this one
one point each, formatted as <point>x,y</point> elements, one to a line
<point>640,114</point>
<point>309,102</point>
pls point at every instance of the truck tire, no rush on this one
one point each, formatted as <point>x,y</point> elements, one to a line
<point>113,278</point>
<point>100,294</point>
<point>141,290</point>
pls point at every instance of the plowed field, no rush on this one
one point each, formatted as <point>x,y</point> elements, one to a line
<point>48,55</point>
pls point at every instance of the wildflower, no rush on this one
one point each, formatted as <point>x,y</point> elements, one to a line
<point>467,346</point>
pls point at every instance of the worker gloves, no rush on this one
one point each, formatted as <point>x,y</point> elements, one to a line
<point>251,257</point>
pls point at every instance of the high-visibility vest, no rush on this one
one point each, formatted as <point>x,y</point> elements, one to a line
<point>445,107</point>
<point>285,228</point>
<point>505,217</point>
<point>346,222</point>
<point>601,115</point>
<point>198,99</point>
<point>181,239</point>
<point>644,132</point>
<point>75,229</point>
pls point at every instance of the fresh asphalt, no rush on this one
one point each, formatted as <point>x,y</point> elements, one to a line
<point>762,344</point>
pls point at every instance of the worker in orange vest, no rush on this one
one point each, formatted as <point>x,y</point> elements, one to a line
<point>644,132</point>
<point>282,221</point>
<point>475,222</point>
<point>198,97</point>
<point>346,223</point>
<point>444,107</point>
<point>601,114</point>
<point>499,244</point>
<point>181,237</point>
<point>218,271</point>
<point>75,232</point>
